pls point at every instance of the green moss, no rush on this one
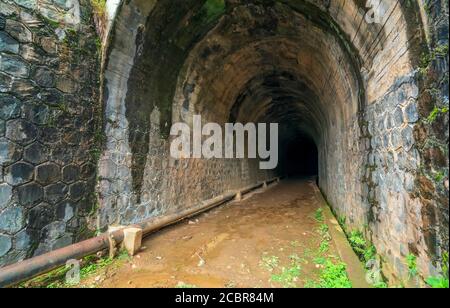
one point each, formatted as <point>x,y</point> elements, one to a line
<point>435,113</point>
<point>99,7</point>
<point>428,57</point>
<point>214,9</point>
<point>439,176</point>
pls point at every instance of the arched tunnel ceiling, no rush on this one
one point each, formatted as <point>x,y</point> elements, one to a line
<point>246,41</point>
<point>188,50</point>
<point>312,65</point>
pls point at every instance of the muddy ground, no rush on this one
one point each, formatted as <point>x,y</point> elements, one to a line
<point>270,239</point>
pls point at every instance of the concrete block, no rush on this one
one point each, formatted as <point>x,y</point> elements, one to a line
<point>132,240</point>
<point>238,197</point>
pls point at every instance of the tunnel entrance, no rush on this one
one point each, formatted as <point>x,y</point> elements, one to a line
<point>314,67</point>
<point>301,156</point>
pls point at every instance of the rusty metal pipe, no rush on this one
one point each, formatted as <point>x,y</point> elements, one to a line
<point>30,268</point>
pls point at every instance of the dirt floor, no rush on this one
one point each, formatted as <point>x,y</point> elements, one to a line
<point>270,239</point>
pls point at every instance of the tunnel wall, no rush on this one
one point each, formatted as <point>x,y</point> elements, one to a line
<point>138,178</point>
<point>401,194</point>
<point>49,73</point>
<point>402,202</point>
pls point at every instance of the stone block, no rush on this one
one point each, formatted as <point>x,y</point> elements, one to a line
<point>30,194</point>
<point>5,195</point>
<point>411,113</point>
<point>132,240</point>
<point>65,211</point>
<point>9,152</point>
<point>44,77</point>
<point>19,173</point>
<point>48,173</point>
<point>10,107</point>
<point>21,131</point>
<point>40,216</point>
<point>29,4</point>
<point>14,66</point>
<point>55,192</point>
<point>11,220</point>
<point>70,173</point>
<point>18,31</point>
<point>8,44</point>
<point>36,153</point>
<point>5,245</point>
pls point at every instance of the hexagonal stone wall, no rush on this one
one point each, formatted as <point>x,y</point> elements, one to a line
<point>48,101</point>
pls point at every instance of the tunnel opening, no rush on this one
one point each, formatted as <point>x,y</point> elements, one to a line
<point>302,158</point>
<point>341,89</point>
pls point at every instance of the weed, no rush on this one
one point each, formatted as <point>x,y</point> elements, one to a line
<point>439,176</point>
<point>342,221</point>
<point>324,247</point>
<point>380,285</point>
<point>296,259</point>
<point>435,113</point>
<point>319,215</point>
<point>333,276</point>
<point>295,244</point>
<point>363,249</point>
<point>440,282</point>
<point>288,277</point>
<point>270,263</point>
<point>411,261</point>
<point>320,261</point>
<point>323,229</point>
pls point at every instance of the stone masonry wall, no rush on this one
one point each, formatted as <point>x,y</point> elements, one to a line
<point>432,131</point>
<point>48,106</point>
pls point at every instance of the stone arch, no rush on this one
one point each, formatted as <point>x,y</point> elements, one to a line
<point>359,100</point>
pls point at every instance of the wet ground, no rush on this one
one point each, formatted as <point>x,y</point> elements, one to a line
<point>270,239</point>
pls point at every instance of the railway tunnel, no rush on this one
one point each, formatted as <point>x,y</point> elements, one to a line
<point>349,92</point>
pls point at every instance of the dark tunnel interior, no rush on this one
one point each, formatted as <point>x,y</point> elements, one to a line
<point>301,157</point>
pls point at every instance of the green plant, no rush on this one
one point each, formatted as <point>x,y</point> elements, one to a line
<point>440,282</point>
<point>380,285</point>
<point>363,249</point>
<point>342,221</point>
<point>333,276</point>
<point>323,229</point>
<point>435,113</point>
<point>324,247</point>
<point>439,176</point>
<point>411,261</point>
<point>320,261</point>
<point>270,263</point>
<point>319,215</point>
<point>288,276</point>
<point>296,259</point>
